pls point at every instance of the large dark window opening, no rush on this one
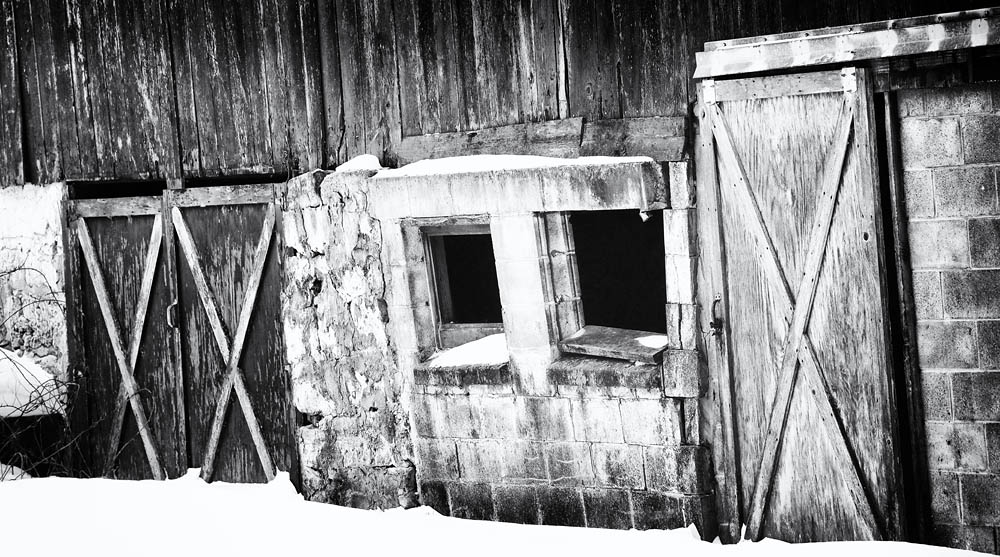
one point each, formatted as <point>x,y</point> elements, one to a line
<point>465,274</point>
<point>621,266</point>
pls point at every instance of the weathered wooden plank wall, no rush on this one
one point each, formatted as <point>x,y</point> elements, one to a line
<point>122,89</point>
<point>11,157</point>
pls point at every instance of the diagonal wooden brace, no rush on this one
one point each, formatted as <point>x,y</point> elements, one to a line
<point>141,311</point>
<point>234,378</point>
<point>128,381</point>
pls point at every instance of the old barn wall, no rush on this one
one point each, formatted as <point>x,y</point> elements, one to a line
<point>32,301</point>
<point>355,450</point>
<point>206,88</point>
<point>951,160</point>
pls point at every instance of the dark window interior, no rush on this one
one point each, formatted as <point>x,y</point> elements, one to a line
<point>622,271</point>
<point>466,276</point>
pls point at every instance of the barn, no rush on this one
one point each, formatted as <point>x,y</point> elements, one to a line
<point>583,263</point>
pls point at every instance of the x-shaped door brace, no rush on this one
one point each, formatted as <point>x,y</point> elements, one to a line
<point>234,378</point>
<point>128,392</point>
<point>798,348</point>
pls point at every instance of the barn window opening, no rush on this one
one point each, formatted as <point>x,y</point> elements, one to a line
<point>621,269</point>
<point>465,286</point>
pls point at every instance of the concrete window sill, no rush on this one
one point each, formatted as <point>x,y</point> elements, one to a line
<point>481,362</point>
<point>677,376</point>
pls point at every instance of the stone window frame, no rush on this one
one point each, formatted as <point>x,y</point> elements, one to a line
<point>526,209</point>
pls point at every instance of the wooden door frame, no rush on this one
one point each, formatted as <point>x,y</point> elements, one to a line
<point>714,303</point>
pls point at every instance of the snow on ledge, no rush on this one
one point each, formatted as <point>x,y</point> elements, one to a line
<point>488,351</point>
<point>497,163</point>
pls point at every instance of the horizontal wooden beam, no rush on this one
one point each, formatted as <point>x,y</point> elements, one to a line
<point>885,39</point>
<point>554,138</point>
<point>661,138</point>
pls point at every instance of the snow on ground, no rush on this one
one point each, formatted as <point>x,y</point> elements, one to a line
<point>26,389</point>
<point>60,516</point>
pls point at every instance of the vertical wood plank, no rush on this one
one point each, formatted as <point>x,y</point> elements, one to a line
<point>11,156</point>
<point>367,34</point>
<point>332,89</point>
<point>592,59</point>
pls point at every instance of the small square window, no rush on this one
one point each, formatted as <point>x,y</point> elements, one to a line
<point>620,261</point>
<point>466,293</point>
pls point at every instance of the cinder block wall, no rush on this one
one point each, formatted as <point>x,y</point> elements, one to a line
<point>612,445</point>
<point>32,301</point>
<point>951,157</point>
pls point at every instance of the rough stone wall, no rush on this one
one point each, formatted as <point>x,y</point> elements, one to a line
<point>32,302</point>
<point>951,158</point>
<point>355,449</point>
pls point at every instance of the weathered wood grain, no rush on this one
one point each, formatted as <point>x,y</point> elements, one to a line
<point>557,138</point>
<point>11,155</point>
<point>367,34</point>
<point>661,138</point>
<point>839,326</point>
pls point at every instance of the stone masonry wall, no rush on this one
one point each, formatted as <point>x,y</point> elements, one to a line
<point>355,450</point>
<point>951,158</point>
<point>32,303</point>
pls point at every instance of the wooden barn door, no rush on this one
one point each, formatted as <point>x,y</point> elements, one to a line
<point>813,404</point>
<point>132,409</point>
<point>241,425</point>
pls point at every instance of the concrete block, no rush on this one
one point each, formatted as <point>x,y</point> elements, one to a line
<point>981,138</point>
<point>988,336</point>
<point>680,232</point>
<point>953,446</point>
<point>654,510</point>
<point>497,416</point>
<point>680,373</point>
<point>969,538</point>
<point>965,192</point>
<point>977,396</point>
<point>652,422</point>
<point>682,191</point>
<point>692,411</point>
<point>661,468</point>
<point>569,463</point>
<point>930,142</point>
<point>682,326</point>
<point>480,461</point>
<point>944,497</point>
<point>984,242</point>
<point>970,294</point>
<point>608,508</point>
<point>520,282</point>
<point>993,446</point>
<point>618,465</point>
<point>936,391</point>
<point>526,326</point>
<point>460,417</point>
<point>515,236</point>
<point>980,499</point>
<point>471,501</point>
<point>561,506</point>
<point>434,494</point>
<point>927,294</point>
<point>946,101</point>
<point>946,344</point>
<point>516,504</point>
<point>680,278</point>
<point>429,196</point>
<point>939,244</point>
<point>694,469</point>
<point>597,420</point>
<point>524,461</point>
<point>436,459</point>
<point>530,367</point>
<point>910,102</point>
<point>544,418</point>
<point>918,186</point>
